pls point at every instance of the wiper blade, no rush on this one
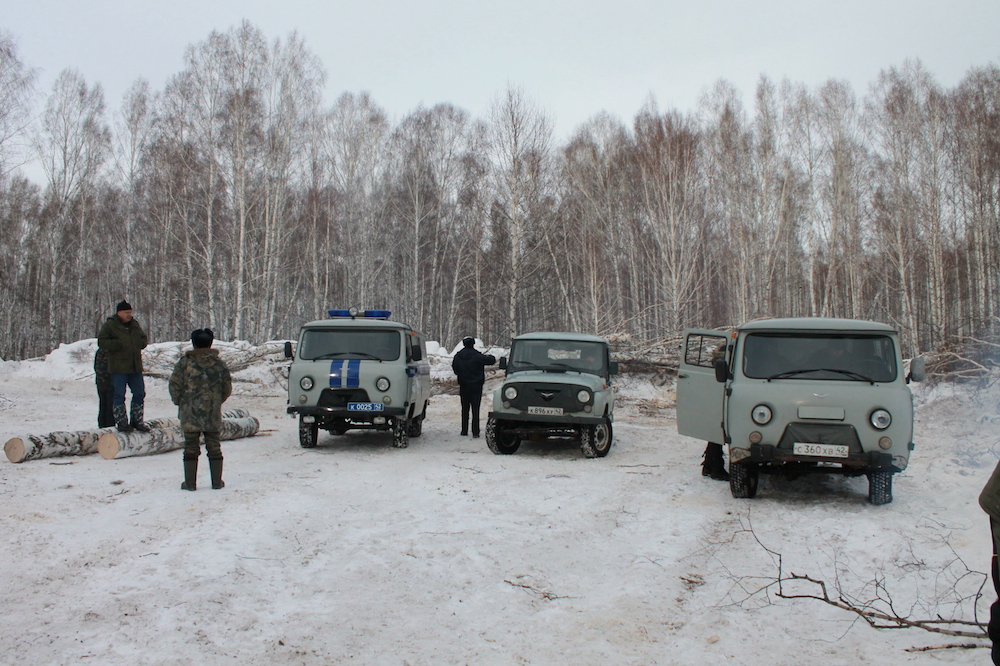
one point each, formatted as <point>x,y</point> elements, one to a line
<point>345,353</point>
<point>847,373</point>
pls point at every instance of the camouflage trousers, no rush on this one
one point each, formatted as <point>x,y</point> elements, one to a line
<point>192,444</point>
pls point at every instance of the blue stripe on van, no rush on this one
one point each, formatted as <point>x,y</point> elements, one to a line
<point>336,373</point>
<point>354,373</point>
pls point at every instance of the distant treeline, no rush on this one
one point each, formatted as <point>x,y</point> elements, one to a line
<point>235,199</point>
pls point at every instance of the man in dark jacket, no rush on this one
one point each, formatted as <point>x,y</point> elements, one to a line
<point>989,500</point>
<point>123,339</point>
<point>469,365</point>
<point>199,384</point>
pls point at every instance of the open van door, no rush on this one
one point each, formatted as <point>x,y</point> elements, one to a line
<point>700,397</point>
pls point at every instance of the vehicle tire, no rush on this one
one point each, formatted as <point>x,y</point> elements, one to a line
<point>743,480</point>
<point>879,487</point>
<point>595,441</point>
<point>416,427</point>
<point>500,441</point>
<point>401,433</point>
<point>308,434</point>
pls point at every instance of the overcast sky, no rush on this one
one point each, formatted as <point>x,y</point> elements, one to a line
<point>572,58</point>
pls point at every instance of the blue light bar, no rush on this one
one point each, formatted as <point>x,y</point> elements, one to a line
<point>352,313</point>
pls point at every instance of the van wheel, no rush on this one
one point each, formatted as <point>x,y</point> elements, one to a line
<point>595,441</point>
<point>743,480</point>
<point>401,433</point>
<point>416,427</point>
<point>308,434</point>
<point>499,440</point>
<point>879,487</point>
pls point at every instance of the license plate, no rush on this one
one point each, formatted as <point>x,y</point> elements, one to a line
<point>546,411</point>
<point>821,450</point>
<point>365,406</point>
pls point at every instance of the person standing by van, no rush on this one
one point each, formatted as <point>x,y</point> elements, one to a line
<point>123,339</point>
<point>469,366</point>
<point>989,500</point>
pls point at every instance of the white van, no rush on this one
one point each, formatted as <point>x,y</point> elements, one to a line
<point>358,370</point>
<point>801,395</point>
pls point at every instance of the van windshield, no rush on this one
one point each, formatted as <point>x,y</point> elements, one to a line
<point>354,343</point>
<point>827,356</point>
<point>558,356</point>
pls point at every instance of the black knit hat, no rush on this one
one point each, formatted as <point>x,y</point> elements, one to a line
<point>123,306</point>
<point>202,338</point>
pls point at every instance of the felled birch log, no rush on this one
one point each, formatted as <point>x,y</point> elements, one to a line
<point>82,442</point>
<point>114,444</point>
<point>173,421</point>
<point>59,443</point>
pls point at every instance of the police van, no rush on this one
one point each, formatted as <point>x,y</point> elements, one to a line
<point>358,370</point>
<point>801,395</point>
<point>557,386</point>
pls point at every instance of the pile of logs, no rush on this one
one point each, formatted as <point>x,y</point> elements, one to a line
<point>164,435</point>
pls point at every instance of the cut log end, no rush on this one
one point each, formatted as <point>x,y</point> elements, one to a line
<point>14,448</point>
<point>109,446</point>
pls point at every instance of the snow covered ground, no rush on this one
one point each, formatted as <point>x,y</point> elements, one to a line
<point>443,553</point>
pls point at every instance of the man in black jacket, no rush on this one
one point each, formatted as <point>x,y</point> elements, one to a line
<point>468,365</point>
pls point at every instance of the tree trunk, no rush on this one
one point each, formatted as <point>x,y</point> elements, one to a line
<point>85,442</point>
<point>114,444</point>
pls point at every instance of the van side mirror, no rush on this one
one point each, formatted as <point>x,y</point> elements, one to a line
<point>613,368</point>
<point>288,350</point>
<point>721,370</point>
<point>918,370</point>
<point>503,362</point>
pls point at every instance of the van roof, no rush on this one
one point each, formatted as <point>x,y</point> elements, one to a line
<point>360,322</point>
<point>816,324</point>
<point>576,337</point>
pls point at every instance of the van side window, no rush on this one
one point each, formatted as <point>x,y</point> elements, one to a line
<point>702,350</point>
<point>417,350</point>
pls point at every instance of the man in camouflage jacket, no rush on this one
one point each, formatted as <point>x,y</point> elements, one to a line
<point>199,384</point>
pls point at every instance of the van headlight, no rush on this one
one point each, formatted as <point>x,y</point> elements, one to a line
<point>306,383</point>
<point>761,414</point>
<point>382,384</point>
<point>510,392</point>
<point>880,419</point>
<point>583,396</point>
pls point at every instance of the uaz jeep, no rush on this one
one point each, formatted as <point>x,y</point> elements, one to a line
<point>557,385</point>
<point>357,370</point>
<point>801,395</point>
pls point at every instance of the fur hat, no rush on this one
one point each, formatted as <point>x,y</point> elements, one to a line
<point>469,341</point>
<point>202,338</point>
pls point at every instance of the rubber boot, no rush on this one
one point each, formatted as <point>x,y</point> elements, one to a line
<point>137,420</point>
<point>215,465</point>
<point>121,419</point>
<point>190,474</point>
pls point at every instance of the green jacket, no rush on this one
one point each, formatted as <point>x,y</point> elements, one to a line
<point>199,384</point>
<point>989,499</point>
<point>124,344</point>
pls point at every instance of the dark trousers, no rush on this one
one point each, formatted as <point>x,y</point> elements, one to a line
<point>192,444</point>
<point>993,628</point>
<point>472,395</point>
<point>105,409</point>
<point>133,380</point>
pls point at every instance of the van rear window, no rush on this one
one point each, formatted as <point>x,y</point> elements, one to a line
<point>854,357</point>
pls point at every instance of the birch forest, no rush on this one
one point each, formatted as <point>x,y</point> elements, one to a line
<point>238,199</point>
